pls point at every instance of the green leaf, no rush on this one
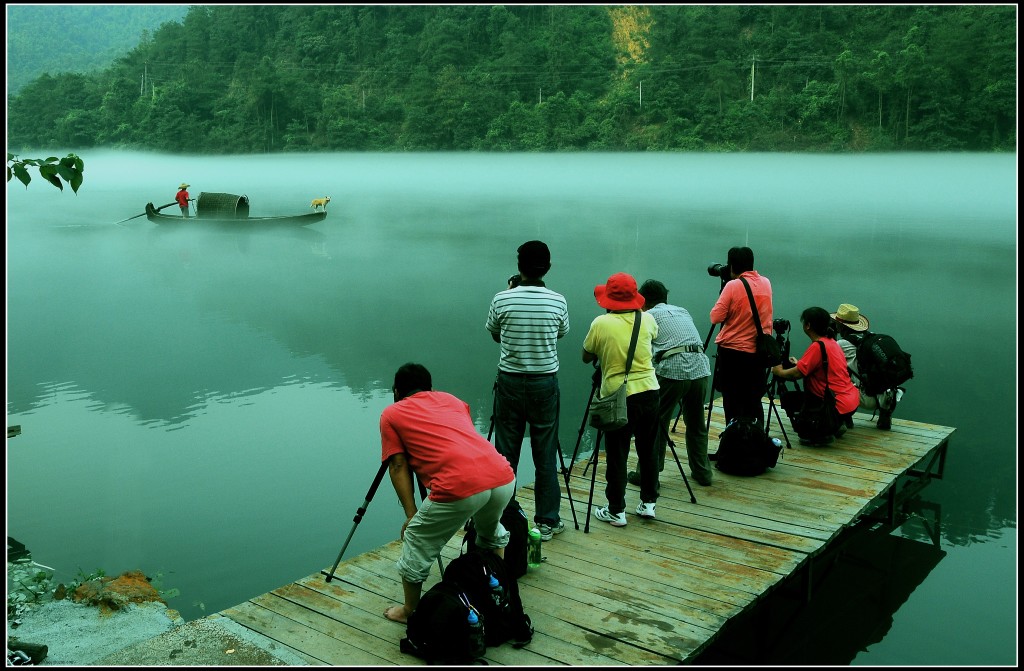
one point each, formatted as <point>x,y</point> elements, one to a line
<point>22,174</point>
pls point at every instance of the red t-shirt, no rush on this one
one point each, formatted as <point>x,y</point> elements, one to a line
<point>436,432</point>
<point>182,198</point>
<point>809,365</point>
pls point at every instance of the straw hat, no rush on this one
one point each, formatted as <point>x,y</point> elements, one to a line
<point>850,317</point>
<point>184,185</point>
<point>619,293</point>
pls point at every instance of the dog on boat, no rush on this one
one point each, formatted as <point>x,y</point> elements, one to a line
<point>320,202</point>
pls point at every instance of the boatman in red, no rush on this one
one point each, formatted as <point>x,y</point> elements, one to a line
<point>431,433</point>
<point>183,199</point>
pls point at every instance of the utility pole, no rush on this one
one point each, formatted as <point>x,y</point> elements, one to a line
<point>641,93</point>
<point>753,60</point>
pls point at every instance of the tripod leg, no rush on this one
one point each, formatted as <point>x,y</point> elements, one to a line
<point>494,408</point>
<point>358,518</point>
<point>565,476</point>
<point>593,477</point>
<point>583,426</point>
<point>686,481</point>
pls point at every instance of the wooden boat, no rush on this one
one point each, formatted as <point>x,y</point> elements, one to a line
<point>229,211</point>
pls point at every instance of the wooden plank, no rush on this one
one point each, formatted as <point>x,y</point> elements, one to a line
<point>654,592</point>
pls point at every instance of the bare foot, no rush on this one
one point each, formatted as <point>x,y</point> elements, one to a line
<point>397,614</point>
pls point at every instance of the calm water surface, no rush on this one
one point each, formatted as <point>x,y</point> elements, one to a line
<point>204,405</point>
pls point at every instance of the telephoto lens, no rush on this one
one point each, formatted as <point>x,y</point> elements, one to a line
<point>719,270</point>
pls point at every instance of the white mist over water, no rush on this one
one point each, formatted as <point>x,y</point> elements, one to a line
<point>204,404</point>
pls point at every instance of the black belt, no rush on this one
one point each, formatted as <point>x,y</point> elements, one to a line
<point>505,372</point>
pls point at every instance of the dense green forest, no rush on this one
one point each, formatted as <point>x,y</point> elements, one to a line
<point>253,79</point>
<point>75,38</point>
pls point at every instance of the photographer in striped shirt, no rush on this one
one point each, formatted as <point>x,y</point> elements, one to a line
<point>526,320</point>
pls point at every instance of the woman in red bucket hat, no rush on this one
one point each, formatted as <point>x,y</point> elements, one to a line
<point>607,344</point>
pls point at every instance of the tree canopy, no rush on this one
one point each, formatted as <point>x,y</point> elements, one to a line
<point>257,78</point>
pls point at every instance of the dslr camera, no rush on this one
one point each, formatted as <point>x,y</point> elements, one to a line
<point>514,281</point>
<point>780,326</point>
<point>720,270</point>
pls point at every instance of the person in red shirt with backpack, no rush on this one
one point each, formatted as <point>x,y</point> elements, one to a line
<point>431,434</point>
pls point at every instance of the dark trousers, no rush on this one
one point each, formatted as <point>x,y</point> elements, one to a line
<point>742,379</point>
<point>642,409</point>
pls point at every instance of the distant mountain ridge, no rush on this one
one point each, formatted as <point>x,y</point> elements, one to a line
<point>75,38</point>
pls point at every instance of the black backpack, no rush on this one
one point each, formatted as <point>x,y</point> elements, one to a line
<point>517,524</point>
<point>744,448</point>
<point>501,606</point>
<point>882,364</point>
<point>438,630</point>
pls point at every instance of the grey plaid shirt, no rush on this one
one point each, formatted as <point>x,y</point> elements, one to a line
<point>675,328</point>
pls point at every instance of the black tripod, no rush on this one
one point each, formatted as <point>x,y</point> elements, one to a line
<point>594,456</point>
<point>362,511</point>
<point>777,386</point>
<point>561,457</point>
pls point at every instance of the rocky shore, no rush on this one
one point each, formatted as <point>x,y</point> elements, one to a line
<point>117,621</point>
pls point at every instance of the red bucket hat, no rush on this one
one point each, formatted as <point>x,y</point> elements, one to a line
<point>619,293</point>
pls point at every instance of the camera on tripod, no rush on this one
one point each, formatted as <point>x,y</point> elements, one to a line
<point>781,328</point>
<point>720,270</point>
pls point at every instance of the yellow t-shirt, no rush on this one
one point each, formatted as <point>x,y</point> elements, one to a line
<point>608,339</point>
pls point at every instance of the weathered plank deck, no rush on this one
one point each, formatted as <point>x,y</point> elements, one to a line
<point>654,592</point>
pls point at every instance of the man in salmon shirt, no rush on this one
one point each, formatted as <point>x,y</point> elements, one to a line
<point>739,373</point>
<point>431,433</point>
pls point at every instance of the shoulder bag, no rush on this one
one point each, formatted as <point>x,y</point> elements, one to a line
<point>819,418</point>
<point>609,413</point>
<point>768,349</point>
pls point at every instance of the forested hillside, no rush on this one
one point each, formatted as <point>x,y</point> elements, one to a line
<point>243,79</point>
<point>75,38</point>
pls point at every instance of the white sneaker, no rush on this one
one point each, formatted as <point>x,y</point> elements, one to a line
<point>618,520</point>
<point>645,510</point>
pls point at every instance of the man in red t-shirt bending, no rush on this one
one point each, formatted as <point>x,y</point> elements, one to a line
<point>431,433</point>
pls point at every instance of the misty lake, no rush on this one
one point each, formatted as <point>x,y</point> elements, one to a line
<point>203,405</point>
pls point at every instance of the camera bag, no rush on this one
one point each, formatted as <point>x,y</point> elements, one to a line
<point>818,418</point>
<point>610,413</point>
<point>768,349</point>
<point>744,448</point>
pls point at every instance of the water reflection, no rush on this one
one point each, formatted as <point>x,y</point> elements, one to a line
<point>240,375</point>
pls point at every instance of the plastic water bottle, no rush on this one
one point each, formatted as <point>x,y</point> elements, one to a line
<point>477,646</point>
<point>497,593</point>
<point>533,556</point>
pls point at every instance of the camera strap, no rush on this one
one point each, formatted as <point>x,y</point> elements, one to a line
<point>753,307</point>
<point>637,316</point>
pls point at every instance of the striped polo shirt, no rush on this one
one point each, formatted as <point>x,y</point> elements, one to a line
<point>529,319</point>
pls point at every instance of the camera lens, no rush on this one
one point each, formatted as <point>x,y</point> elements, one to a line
<point>719,270</point>
<point>514,280</point>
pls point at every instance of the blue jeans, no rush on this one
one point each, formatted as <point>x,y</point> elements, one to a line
<point>642,426</point>
<point>531,399</point>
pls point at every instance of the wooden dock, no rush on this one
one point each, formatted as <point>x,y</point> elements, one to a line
<point>654,592</point>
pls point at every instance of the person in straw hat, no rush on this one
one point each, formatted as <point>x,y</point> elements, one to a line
<point>607,342</point>
<point>851,328</point>
<point>183,199</point>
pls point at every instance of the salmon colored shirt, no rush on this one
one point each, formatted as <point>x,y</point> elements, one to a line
<point>732,311</point>
<point>436,432</point>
